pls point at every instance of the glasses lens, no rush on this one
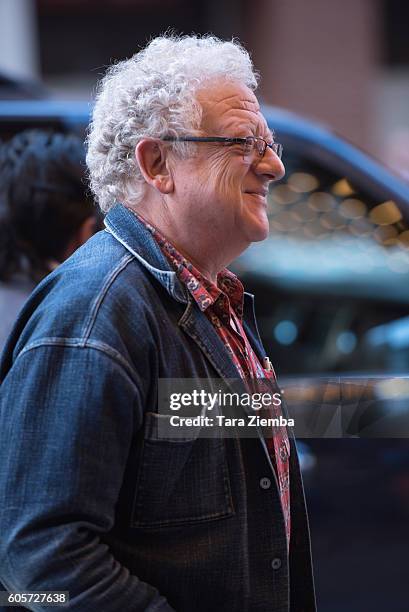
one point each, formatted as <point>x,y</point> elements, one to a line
<point>260,145</point>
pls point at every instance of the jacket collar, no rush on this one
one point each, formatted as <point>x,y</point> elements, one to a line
<point>133,235</point>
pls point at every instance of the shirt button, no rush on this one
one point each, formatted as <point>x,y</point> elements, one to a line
<point>276,563</point>
<point>265,483</point>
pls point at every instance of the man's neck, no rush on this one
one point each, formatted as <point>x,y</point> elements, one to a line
<point>195,250</point>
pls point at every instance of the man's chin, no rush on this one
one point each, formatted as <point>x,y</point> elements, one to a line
<point>258,230</point>
<point>260,236</point>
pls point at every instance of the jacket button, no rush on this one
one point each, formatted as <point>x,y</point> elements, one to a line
<point>276,563</point>
<point>265,483</point>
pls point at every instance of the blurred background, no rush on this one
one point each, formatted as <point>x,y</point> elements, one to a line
<point>332,280</point>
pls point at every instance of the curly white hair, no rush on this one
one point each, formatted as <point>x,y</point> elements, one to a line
<point>153,94</point>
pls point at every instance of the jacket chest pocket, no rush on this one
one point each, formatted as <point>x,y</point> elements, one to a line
<point>180,481</point>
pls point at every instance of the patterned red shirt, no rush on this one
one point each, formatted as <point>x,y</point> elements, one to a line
<point>223,305</point>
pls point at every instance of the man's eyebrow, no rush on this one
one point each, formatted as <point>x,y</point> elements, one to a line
<point>268,134</point>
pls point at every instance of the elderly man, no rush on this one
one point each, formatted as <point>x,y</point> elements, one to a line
<point>95,501</point>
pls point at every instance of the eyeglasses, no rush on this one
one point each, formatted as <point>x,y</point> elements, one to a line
<point>250,144</point>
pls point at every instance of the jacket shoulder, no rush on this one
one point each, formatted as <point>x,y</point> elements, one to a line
<point>92,296</point>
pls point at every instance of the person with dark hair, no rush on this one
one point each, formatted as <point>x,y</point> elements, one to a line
<point>45,213</point>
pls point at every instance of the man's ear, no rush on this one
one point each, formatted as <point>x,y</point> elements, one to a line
<point>153,161</point>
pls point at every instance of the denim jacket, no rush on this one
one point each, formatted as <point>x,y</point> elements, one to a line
<point>93,502</point>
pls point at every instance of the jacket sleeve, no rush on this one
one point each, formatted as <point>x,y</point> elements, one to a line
<point>67,416</point>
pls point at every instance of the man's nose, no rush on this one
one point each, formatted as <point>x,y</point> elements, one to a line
<point>270,165</point>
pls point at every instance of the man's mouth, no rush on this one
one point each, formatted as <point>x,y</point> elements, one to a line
<point>260,194</point>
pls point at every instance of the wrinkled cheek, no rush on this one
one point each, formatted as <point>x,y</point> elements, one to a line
<point>224,180</point>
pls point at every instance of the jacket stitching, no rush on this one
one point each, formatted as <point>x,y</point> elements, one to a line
<point>101,295</point>
<point>79,343</point>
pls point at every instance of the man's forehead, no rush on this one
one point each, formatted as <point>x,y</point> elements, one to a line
<point>225,102</point>
<point>228,95</point>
